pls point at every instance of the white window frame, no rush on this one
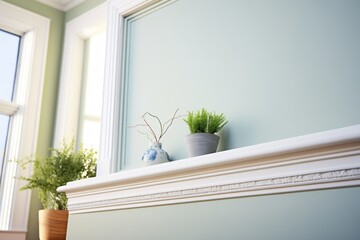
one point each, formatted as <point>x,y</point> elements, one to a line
<point>77,32</point>
<point>114,91</point>
<point>24,124</point>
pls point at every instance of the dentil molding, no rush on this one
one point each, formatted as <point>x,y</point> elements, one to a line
<point>322,160</point>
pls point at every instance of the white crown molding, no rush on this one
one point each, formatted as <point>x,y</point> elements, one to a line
<point>237,189</point>
<point>323,160</point>
<point>63,5</point>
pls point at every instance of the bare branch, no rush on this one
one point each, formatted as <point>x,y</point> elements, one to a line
<point>138,125</point>
<point>147,135</point>
<point>164,127</point>
<point>171,122</point>
<point>152,131</point>
<point>160,124</point>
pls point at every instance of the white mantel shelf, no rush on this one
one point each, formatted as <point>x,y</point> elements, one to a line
<point>322,160</point>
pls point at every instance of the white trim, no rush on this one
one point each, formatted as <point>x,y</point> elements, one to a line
<point>114,97</point>
<point>8,108</point>
<point>77,32</point>
<point>323,160</point>
<point>24,125</point>
<point>63,5</point>
<point>12,235</point>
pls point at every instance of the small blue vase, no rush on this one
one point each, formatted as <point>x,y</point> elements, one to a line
<point>155,154</point>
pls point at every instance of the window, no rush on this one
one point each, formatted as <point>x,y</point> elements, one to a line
<point>81,82</point>
<point>91,91</point>
<point>9,51</point>
<point>4,124</point>
<point>20,102</point>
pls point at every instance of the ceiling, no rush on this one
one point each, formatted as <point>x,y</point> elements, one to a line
<point>63,5</point>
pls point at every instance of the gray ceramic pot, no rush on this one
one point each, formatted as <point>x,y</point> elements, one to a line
<point>202,143</point>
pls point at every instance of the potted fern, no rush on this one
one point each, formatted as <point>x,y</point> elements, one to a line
<point>203,125</point>
<point>63,165</point>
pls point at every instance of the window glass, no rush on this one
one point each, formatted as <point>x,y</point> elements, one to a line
<point>4,124</point>
<point>94,75</point>
<point>9,51</point>
<point>92,91</point>
<point>19,129</point>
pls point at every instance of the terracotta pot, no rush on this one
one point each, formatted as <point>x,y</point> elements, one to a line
<point>53,224</point>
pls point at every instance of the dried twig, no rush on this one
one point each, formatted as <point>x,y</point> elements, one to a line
<point>164,127</point>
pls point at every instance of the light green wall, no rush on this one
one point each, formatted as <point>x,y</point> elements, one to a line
<point>276,69</point>
<point>48,107</point>
<point>81,9</point>
<point>52,74</point>
<point>321,215</point>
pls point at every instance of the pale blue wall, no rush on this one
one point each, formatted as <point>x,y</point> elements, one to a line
<point>316,215</point>
<point>276,69</point>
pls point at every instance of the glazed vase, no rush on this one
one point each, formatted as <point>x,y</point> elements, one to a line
<point>155,154</point>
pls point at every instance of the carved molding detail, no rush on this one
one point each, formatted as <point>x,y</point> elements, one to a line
<point>236,187</point>
<point>317,161</point>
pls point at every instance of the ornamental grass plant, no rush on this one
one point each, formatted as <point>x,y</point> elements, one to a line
<point>202,121</point>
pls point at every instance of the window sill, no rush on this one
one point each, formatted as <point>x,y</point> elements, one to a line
<point>317,161</point>
<point>12,235</point>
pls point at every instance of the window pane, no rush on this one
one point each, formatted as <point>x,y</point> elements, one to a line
<point>9,50</point>
<point>91,134</point>
<point>94,74</point>
<point>4,124</point>
<point>92,85</point>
